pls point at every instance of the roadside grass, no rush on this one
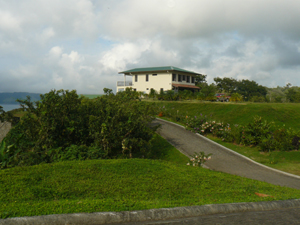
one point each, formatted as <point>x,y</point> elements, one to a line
<point>288,161</point>
<point>287,114</point>
<point>125,184</point>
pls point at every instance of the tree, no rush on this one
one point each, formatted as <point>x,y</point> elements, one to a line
<point>227,85</point>
<point>207,92</point>
<point>199,79</point>
<point>152,93</point>
<point>250,89</point>
<point>107,91</point>
<point>293,95</point>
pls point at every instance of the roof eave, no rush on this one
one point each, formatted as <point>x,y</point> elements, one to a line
<point>156,71</point>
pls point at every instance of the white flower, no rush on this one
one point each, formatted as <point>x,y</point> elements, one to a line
<point>188,164</point>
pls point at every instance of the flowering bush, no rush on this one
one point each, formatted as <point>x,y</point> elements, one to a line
<point>199,159</point>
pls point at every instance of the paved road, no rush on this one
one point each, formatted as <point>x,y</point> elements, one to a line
<point>283,216</point>
<point>222,159</point>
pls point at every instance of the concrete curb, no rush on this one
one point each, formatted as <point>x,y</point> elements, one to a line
<point>229,150</point>
<point>149,215</point>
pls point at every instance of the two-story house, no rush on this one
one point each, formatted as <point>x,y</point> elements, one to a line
<point>159,78</point>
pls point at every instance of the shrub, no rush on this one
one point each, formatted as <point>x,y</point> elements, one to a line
<point>254,132</point>
<point>63,126</point>
<point>236,97</point>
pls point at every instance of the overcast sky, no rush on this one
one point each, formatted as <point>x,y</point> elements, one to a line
<point>83,44</point>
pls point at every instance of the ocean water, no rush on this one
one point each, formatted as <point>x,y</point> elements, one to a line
<point>8,107</point>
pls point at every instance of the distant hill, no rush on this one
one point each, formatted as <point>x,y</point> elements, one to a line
<point>10,98</point>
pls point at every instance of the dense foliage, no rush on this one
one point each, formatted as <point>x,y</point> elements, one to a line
<point>63,126</point>
<point>248,89</point>
<point>284,94</point>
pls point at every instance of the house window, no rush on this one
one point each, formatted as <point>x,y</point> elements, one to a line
<point>179,78</point>
<point>154,74</point>
<point>135,78</point>
<point>147,89</point>
<point>173,77</point>
<point>183,77</point>
<point>193,79</point>
<point>161,89</point>
<point>188,79</point>
<point>147,77</point>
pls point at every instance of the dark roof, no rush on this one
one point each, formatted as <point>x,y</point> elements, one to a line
<point>185,86</point>
<point>156,69</point>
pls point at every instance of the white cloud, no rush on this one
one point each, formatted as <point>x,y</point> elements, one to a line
<point>9,22</point>
<point>83,44</point>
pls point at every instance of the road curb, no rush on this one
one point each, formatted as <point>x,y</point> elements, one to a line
<point>233,152</point>
<point>98,218</point>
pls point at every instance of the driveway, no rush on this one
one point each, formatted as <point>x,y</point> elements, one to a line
<point>223,159</point>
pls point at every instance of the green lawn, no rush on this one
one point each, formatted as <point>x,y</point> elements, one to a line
<point>287,114</point>
<point>125,184</point>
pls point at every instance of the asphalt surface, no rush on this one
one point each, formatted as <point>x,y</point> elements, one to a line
<point>223,159</point>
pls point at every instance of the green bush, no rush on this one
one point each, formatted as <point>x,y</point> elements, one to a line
<point>63,126</point>
<point>254,132</point>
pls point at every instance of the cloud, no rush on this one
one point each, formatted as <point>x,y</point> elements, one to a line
<point>83,44</point>
<point>9,22</point>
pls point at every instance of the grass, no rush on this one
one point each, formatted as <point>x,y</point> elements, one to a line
<point>287,114</point>
<point>281,160</point>
<point>125,184</point>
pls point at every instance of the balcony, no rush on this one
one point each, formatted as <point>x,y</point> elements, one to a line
<point>121,83</point>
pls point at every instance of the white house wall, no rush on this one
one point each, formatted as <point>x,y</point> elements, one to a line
<point>161,80</point>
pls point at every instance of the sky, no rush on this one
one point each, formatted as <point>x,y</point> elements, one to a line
<point>83,44</point>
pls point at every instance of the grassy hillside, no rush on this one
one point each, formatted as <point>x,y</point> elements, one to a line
<point>125,184</point>
<point>241,113</point>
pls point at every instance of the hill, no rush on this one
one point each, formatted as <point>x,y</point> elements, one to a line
<point>11,97</point>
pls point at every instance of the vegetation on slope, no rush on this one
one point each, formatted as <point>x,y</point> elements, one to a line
<point>63,126</point>
<point>125,184</point>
